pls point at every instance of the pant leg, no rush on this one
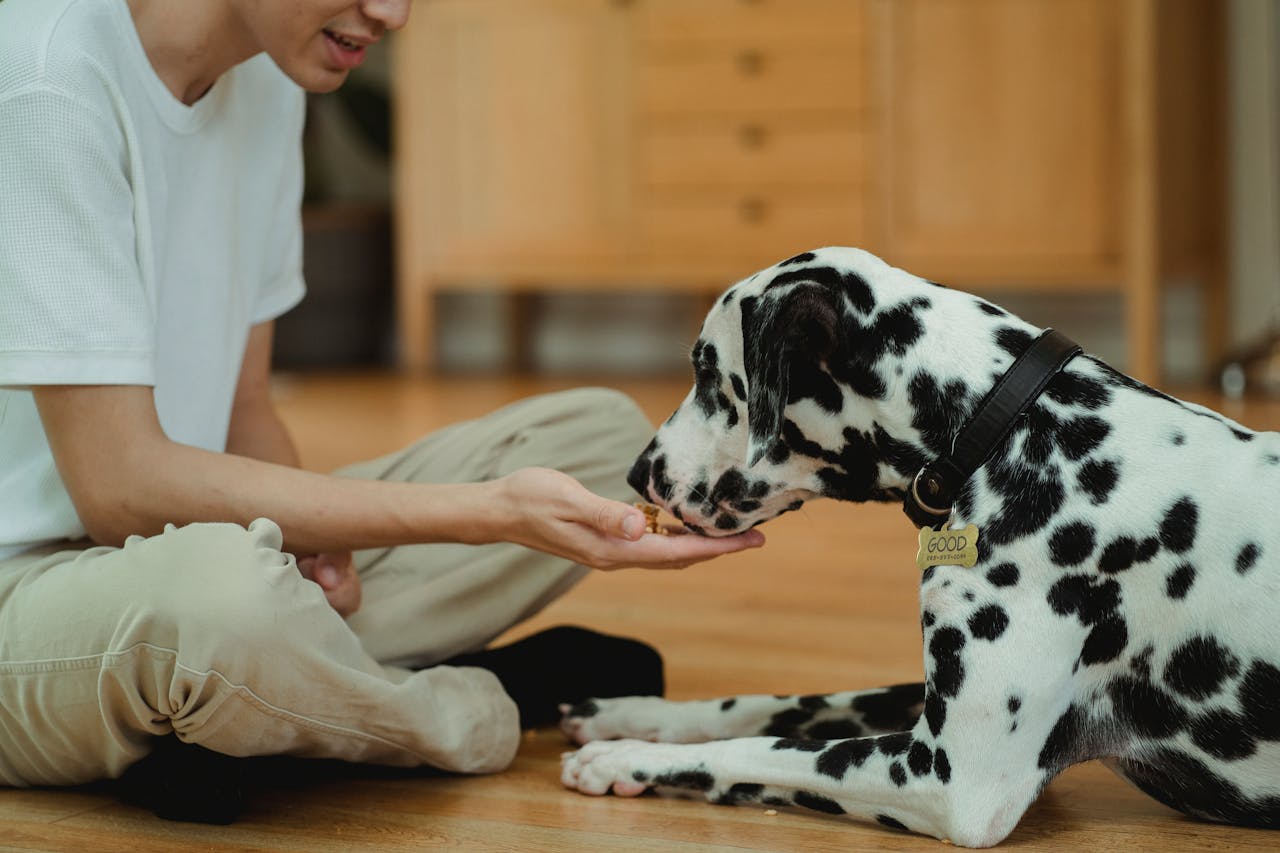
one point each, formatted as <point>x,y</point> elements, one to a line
<point>209,631</point>
<point>426,603</point>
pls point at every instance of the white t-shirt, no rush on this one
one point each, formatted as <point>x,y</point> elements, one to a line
<point>140,238</point>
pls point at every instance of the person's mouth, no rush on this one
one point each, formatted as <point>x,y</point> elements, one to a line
<point>346,51</point>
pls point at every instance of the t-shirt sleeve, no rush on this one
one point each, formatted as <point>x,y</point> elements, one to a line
<point>283,285</point>
<point>74,307</point>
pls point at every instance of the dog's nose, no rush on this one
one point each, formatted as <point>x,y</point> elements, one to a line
<point>638,477</point>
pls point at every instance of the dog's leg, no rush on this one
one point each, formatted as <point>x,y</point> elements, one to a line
<point>838,715</point>
<point>972,792</point>
<point>1001,718</point>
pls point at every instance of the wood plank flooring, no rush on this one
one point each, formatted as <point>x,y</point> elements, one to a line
<point>829,604</point>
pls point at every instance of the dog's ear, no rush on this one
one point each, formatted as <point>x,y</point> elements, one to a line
<point>796,325</point>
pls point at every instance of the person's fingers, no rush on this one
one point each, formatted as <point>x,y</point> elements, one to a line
<point>614,518</point>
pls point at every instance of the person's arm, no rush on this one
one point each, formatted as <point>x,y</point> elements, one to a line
<point>126,477</point>
<point>256,430</point>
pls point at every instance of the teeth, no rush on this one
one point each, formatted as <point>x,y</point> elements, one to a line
<point>344,42</point>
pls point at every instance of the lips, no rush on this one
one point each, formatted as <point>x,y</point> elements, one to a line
<point>346,51</point>
<point>345,42</point>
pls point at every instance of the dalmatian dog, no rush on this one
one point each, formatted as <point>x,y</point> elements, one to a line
<point>1123,604</point>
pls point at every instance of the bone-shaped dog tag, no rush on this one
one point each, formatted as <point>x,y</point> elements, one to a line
<point>948,547</point>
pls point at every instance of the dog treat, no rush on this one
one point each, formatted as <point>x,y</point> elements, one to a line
<point>651,524</point>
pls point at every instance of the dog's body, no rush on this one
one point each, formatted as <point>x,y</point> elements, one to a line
<point>1124,605</point>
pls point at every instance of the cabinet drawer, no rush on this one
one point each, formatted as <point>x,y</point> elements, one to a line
<point>750,78</point>
<point>756,225</point>
<point>761,20</point>
<point>752,153</point>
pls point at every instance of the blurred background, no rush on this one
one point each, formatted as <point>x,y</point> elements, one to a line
<point>561,187</point>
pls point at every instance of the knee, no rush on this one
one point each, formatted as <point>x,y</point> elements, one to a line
<point>217,580</point>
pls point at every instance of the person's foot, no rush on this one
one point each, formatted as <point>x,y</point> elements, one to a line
<point>568,664</point>
<point>185,782</point>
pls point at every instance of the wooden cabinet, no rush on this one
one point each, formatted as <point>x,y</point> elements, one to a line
<point>681,144</point>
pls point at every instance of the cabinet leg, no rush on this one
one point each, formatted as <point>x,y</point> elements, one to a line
<point>522,320</point>
<point>415,328</point>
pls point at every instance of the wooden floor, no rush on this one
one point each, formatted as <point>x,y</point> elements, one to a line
<point>829,604</point>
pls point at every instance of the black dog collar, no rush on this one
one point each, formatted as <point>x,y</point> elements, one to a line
<point>933,491</point>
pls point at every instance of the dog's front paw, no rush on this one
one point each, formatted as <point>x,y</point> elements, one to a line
<point>634,717</point>
<point>605,766</point>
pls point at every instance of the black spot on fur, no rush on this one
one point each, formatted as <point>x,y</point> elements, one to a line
<point>938,412</point>
<point>589,708</point>
<point>1259,694</point>
<point>891,710</point>
<point>942,766</point>
<point>1178,439</point>
<point>798,744</point>
<point>817,802</point>
<point>1198,667</point>
<point>897,774</point>
<point>1088,598</point>
<point>988,308</point>
<point>892,823</point>
<point>1013,341</point>
<point>989,622</point>
<point>1223,735</point>
<point>935,713</point>
<point>1063,745</point>
<point>688,780</point>
<point>1179,582</point>
<point>1097,479</point>
<point>1014,704</point>
<point>833,730</point>
<point>739,389</point>
<point>741,792</point>
<point>802,258</point>
<point>837,759</point>
<point>1248,557</point>
<point>894,744</point>
<point>1105,642</point>
<point>1081,436</point>
<point>1188,785</point>
<point>948,671</point>
<point>786,724</point>
<point>1071,389</point>
<point>1071,544</point>
<point>1005,574</point>
<point>1032,496</point>
<point>1118,555</point>
<point>1145,708</point>
<point>727,704</point>
<point>1178,530</point>
<point>920,759</point>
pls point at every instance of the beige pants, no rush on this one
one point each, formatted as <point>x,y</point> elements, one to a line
<point>210,632</point>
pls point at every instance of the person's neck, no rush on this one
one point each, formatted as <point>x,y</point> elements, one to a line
<point>190,45</point>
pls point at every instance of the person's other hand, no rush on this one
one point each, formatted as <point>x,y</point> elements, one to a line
<point>552,512</point>
<point>336,574</point>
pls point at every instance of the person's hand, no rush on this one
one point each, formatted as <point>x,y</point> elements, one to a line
<point>552,512</point>
<point>336,575</point>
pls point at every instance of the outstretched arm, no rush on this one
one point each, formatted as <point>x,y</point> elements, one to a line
<point>125,477</point>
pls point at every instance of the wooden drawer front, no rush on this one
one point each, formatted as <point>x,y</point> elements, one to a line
<point>765,227</point>
<point>766,21</point>
<point>751,79</point>
<point>752,153</point>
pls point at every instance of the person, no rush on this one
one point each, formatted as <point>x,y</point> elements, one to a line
<point>166,567</point>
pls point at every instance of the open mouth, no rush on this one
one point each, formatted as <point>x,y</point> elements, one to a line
<point>344,42</point>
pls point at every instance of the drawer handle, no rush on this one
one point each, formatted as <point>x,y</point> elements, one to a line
<point>751,62</point>
<point>752,210</point>
<point>752,136</point>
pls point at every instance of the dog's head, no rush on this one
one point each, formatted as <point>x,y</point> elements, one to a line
<point>809,381</point>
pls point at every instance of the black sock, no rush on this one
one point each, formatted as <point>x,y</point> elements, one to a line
<point>186,782</point>
<point>568,664</point>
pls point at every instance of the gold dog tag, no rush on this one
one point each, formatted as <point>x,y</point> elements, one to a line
<point>948,547</point>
